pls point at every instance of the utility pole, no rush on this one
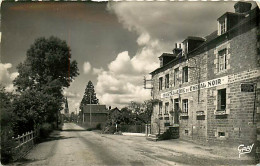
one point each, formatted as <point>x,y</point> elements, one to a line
<point>90,111</point>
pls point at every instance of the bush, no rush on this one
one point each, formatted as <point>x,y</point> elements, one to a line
<point>45,130</point>
<point>7,149</point>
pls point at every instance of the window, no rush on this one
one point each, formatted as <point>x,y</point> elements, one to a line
<point>166,108</point>
<point>221,100</point>
<point>167,81</point>
<point>221,134</point>
<point>176,76</point>
<point>160,83</point>
<point>186,132</point>
<point>185,105</point>
<point>160,108</point>
<point>222,60</point>
<point>222,26</point>
<point>185,74</point>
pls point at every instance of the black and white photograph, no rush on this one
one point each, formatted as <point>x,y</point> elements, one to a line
<point>130,83</point>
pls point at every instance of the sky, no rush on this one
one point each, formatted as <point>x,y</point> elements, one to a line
<point>115,44</point>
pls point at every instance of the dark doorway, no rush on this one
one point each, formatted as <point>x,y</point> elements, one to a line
<point>176,111</point>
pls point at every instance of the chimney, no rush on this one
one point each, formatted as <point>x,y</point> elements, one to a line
<point>242,7</point>
<point>176,45</point>
<point>180,45</point>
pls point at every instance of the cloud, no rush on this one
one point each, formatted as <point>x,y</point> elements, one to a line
<point>97,71</point>
<point>86,67</point>
<point>69,94</point>
<point>6,77</point>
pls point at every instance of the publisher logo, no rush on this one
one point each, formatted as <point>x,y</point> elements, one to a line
<point>242,149</point>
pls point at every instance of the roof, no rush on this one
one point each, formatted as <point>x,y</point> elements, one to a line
<point>194,38</point>
<point>114,109</point>
<point>233,14</point>
<point>95,108</point>
<point>166,54</point>
<point>254,13</point>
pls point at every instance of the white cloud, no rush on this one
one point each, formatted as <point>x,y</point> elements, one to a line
<point>69,94</point>
<point>86,67</point>
<point>6,77</point>
<point>97,71</point>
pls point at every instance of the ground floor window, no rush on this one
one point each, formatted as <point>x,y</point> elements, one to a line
<point>166,108</point>
<point>221,100</point>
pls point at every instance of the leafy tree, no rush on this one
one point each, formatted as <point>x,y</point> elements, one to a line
<point>47,60</point>
<point>46,71</point>
<point>147,111</point>
<point>89,96</point>
<point>8,120</point>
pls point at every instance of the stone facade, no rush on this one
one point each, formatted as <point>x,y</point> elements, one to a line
<point>211,107</point>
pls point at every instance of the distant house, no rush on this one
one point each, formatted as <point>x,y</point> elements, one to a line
<point>114,114</point>
<point>94,115</point>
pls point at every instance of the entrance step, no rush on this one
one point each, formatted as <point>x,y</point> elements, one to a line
<point>152,137</point>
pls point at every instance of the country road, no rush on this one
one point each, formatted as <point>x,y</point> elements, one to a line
<point>77,147</point>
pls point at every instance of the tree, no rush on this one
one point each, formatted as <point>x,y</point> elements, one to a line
<point>47,60</point>
<point>8,120</point>
<point>89,96</point>
<point>46,71</point>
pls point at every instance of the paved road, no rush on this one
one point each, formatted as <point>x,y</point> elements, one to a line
<point>75,147</point>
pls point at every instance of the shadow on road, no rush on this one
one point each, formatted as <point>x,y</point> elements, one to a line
<point>74,130</point>
<point>24,161</point>
<point>53,138</point>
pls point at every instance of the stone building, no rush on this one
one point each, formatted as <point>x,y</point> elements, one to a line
<point>209,86</point>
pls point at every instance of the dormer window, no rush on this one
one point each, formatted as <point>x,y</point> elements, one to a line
<point>222,26</point>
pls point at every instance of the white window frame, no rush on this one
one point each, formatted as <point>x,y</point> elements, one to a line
<point>185,75</point>
<point>222,60</point>
<point>222,26</point>
<point>176,76</point>
<point>166,111</point>
<point>185,105</point>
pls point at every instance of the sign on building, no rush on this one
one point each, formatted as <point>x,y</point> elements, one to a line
<point>247,87</point>
<point>196,87</point>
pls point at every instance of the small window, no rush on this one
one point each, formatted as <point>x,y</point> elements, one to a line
<point>160,108</point>
<point>221,134</point>
<point>222,26</point>
<point>166,108</point>
<point>222,60</point>
<point>185,74</point>
<point>221,100</point>
<point>186,132</point>
<point>160,83</point>
<point>176,76</point>
<point>167,81</point>
<point>185,105</point>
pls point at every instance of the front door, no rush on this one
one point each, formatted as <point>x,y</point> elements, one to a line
<point>176,111</point>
